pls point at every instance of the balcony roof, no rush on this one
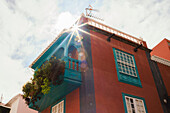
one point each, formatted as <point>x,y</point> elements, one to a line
<point>48,47</point>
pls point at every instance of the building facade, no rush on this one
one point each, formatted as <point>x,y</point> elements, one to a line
<point>107,71</point>
<point>160,56</point>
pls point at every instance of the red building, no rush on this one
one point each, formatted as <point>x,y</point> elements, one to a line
<point>161,50</point>
<point>116,72</point>
<point>161,60</point>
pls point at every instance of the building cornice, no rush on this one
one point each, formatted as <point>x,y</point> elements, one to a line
<point>119,35</point>
<point>160,60</point>
<point>111,30</point>
<point>118,38</point>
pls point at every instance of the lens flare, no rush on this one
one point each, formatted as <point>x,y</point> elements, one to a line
<point>75,28</point>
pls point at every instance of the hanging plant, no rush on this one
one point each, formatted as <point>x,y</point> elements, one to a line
<point>51,71</point>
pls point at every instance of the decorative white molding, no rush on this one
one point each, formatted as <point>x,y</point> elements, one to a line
<point>160,60</point>
<point>115,31</point>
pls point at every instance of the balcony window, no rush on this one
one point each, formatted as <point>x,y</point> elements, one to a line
<point>126,68</point>
<point>72,52</point>
<point>59,53</point>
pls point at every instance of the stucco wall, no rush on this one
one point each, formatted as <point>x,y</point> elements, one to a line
<point>73,102</point>
<point>14,106</point>
<point>165,74</point>
<point>108,90</point>
<point>47,110</point>
<point>162,50</point>
<point>23,108</point>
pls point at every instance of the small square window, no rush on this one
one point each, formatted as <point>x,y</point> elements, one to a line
<point>58,108</point>
<point>134,104</point>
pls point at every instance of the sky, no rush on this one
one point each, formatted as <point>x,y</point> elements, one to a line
<point>27,27</point>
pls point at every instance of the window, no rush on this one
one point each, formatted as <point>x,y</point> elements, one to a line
<point>58,108</point>
<point>126,63</point>
<point>134,104</point>
<point>126,68</point>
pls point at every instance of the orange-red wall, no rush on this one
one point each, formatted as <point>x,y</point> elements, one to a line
<point>162,50</point>
<point>47,110</point>
<point>72,104</point>
<point>165,74</point>
<point>108,90</point>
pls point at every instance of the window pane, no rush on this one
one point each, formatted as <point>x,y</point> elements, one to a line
<point>134,105</point>
<point>58,108</point>
<point>126,63</point>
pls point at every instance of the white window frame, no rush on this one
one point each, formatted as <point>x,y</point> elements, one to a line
<point>58,108</point>
<point>128,61</point>
<point>135,104</point>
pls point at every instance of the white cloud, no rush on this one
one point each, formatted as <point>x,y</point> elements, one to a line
<point>65,20</point>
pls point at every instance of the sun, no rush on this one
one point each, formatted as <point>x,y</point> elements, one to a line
<point>75,27</point>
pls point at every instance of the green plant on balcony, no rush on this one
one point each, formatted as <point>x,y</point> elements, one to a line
<point>50,72</point>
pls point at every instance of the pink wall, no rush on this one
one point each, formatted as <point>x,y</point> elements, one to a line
<point>23,108</point>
